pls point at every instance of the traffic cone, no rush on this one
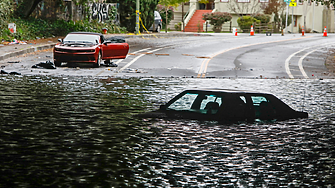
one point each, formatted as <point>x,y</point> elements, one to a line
<point>302,31</point>
<point>236,33</point>
<point>252,33</point>
<point>325,32</point>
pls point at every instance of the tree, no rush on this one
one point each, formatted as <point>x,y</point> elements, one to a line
<point>241,9</point>
<point>328,3</point>
<point>5,12</point>
<point>127,10</point>
<point>274,7</point>
<point>26,7</point>
<point>168,4</point>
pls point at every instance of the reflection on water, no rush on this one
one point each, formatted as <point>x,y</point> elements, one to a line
<point>80,132</point>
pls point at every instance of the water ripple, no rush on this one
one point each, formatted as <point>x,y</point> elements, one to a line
<point>80,132</point>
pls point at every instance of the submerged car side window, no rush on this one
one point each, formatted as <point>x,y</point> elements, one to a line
<point>210,98</point>
<point>258,99</point>
<point>184,103</point>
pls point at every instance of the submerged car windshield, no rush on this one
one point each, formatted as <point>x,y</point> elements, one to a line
<point>81,38</point>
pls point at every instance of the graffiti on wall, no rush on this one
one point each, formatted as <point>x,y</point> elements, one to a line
<point>100,11</point>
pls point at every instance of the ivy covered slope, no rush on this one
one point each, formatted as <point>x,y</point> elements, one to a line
<point>30,27</point>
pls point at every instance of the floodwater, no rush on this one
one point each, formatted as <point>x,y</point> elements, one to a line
<point>81,132</point>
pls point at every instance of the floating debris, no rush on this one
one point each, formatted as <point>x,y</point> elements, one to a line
<point>14,62</point>
<point>110,64</point>
<point>203,57</point>
<point>45,65</point>
<point>187,54</point>
<point>15,73</point>
<point>14,41</point>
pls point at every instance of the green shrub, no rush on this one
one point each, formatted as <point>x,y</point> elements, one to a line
<point>217,19</point>
<point>177,26</point>
<point>245,22</point>
<point>6,8</point>
<point>263,18</point>
<point>32,28</point>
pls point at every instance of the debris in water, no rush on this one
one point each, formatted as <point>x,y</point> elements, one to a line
<point>45,65</point>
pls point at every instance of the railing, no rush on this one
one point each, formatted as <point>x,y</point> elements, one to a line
<point>263,28</point>
<point>191,11</point>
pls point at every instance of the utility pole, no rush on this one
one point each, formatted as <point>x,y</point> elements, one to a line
<point>287,3</point>
<point>292,22</point>
<point>182,17</point>
<point>313,16</point>
<point>137,17</point>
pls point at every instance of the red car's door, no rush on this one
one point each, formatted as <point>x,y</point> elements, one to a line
<point>114,50</point>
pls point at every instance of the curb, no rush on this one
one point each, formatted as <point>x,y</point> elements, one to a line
<point>48,46</point>
<point>25,51</point>
<point>165,35</point>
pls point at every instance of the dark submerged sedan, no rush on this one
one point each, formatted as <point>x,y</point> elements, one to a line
<point>92,48</point>
<point>225,105</point>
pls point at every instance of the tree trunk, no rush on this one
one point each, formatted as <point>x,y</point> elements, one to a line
<point>166,19</point>
<point>26,7</point>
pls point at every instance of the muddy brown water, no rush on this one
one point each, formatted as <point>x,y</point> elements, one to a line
<point>80,132</point>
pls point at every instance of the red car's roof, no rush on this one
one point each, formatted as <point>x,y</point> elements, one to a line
<point>87,33</point>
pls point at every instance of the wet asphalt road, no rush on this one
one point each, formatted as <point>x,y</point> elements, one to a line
<point>219,56</point>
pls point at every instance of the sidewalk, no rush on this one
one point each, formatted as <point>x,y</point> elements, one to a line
<point>8,51</point>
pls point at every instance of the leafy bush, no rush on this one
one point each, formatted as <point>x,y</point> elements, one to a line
<point>263,18</point>
<point>177,26</point>
<point>32,28</point>
<point>6,8</point>
<point>217,19</point>
<point>245,22</point>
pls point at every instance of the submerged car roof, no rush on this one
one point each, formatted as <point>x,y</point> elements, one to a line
<point>225,91</point>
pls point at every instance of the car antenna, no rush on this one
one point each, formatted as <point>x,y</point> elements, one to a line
<point>303,101</point>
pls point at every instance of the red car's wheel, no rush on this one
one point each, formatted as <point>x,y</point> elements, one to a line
<point>98,63</point>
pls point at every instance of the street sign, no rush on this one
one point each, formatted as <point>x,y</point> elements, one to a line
<point>12,27</point>
<point>293,3</point>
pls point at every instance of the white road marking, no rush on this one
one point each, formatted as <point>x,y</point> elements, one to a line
<point>141,50</point>
<point>300,63</point>
<point>301,68</point>
<point>135,59</point>
<point>119,61</point>
<point>204,65</point>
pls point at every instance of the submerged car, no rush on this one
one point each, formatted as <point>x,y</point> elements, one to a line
<point>225,105</point>
<point>92,48</point>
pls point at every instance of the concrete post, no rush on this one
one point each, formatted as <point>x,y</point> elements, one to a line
<point>195,3</point>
